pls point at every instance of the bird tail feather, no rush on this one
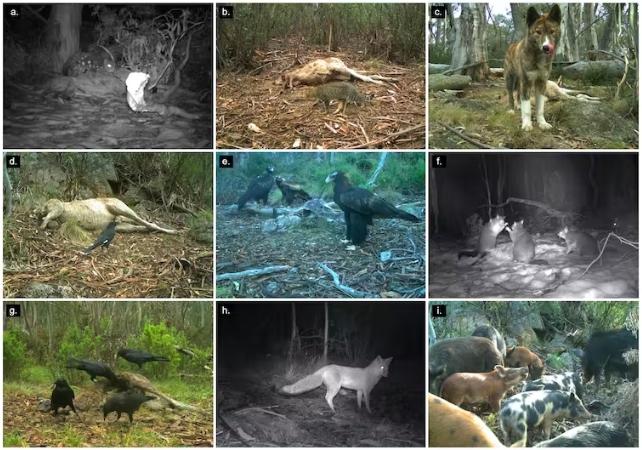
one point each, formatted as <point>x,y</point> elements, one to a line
<point>73,360</point>
<point>243,200</point>
<point>89,249</point>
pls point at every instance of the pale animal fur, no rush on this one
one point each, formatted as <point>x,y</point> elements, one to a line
<point>94,213</point>
<point>322,71</point>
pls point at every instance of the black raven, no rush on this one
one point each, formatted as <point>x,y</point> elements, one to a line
<point>93,368</point>
<point>104,238</point>
<point>360,206</point>
<point>125,403</point>
<point>138,357</point>
<point>62,396</point>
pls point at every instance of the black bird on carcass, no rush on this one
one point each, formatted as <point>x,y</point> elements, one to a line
<point>62,396</point>
<point>291,191</point>
<point>93,368</point>
<point>138,357</point>
<point>360,206</point>
<point>259,188</point>
<point>104,238</point>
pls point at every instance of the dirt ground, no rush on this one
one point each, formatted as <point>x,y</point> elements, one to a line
<point>398,417</point>
<point>136,265</point>
<point>23,423</point>
<point>241,245</point>
<point>91,112</point>
<point>257,111</point>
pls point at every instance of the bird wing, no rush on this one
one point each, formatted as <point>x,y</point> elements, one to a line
<point>360,200</point>
<point>258,188</point>
<point>370,204</point>
<point>103,238</point>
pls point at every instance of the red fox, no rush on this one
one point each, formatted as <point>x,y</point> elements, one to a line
<point>335,377</point>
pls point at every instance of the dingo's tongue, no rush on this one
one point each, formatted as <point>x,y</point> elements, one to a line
<point>548,49</point>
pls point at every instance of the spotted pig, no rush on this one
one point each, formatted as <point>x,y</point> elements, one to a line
<point>534,409</point>
<point>567,381</point>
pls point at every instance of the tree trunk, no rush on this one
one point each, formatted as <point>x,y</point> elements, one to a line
<point>63,35</point>
<point>519,21</point>
<point>469,45</point>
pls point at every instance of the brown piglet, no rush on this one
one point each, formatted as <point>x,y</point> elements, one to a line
<point>489,387</point>
<point>523,357</point>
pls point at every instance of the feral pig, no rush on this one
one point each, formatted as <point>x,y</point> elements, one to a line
<point>533,409</point>
<point>605,350</point>
<point>523,357</point>
<point>495,337</point>
<point>594,434</point>
<point>451,426</point>
<point>567,381</point>
<point>466,354</point>
<point>481,387</point>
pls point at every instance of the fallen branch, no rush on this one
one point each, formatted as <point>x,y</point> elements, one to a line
<point>468,66</point>
<point>464,137</point>
<point>373,144</point>
<point>120,277</point>
<point>343,288</point>
<point>251,273</point>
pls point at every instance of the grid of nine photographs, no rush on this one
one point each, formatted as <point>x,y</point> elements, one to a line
<point>318,189</point>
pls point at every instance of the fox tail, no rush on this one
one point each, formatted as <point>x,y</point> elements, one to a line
<point>304,385</point>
